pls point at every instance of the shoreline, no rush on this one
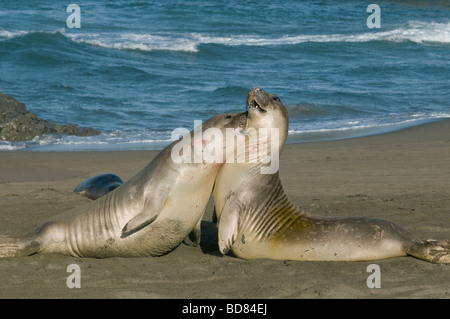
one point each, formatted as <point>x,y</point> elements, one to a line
<point>158,145</point>
<point>400,176</point>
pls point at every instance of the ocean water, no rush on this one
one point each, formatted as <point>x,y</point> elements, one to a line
<point>136,70</point>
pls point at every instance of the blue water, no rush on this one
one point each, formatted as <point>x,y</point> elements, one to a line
<point>136,70</point>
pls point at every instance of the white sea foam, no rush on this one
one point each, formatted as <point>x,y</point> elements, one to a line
<point>132,41</point>
<point>11,34</point>
<point>359,128</point>
<point>420,32</point>
<point>18,33</point>
<point>415,31</point>
<point>6,146</point>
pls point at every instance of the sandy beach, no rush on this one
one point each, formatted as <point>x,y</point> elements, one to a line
<point>403,177</point>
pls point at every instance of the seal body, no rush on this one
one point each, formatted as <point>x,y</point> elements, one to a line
<point>98,186</point>
<point>267,225</point>
<point>257,220</point>
<point>149,215</point>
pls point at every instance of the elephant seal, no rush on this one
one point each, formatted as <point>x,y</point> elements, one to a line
<point>98,186</point>
<point>256,219</point>
<point>149,215</point>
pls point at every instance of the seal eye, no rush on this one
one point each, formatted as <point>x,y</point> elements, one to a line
<point>276,98</point>
<point>228,117</point>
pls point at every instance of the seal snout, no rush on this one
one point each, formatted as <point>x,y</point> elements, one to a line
<point>258,99</point>
<point>254,104</point>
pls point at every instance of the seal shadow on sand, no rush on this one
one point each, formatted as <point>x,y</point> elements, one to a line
<point>209,240</point>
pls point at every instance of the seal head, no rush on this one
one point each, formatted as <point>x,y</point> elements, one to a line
<point>267,111</point>
<point>98,186</point>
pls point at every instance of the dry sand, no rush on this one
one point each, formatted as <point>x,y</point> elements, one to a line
<point>403,177</point>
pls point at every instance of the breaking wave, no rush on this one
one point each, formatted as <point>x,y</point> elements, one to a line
<point>414,31</point>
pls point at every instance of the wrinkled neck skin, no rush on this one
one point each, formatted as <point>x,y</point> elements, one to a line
<point>252,172</point>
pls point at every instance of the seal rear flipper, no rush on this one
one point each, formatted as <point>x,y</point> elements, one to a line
<point>16,247</point>
<point>431,250</point>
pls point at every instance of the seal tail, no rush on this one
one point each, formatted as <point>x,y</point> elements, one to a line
<point>431,250</point>
<point>16,247</point>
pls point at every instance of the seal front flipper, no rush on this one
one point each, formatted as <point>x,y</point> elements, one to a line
<point>138,222</point>
<point>194,236</point>
<point>150,212</point>
<point>196,232</point>
<point>228,225</point>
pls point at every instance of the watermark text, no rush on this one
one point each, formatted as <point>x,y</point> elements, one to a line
<point>212,145</point>
<point>374,279</point>
<point>74,279</point>
<point>374,20</point>
<point>73,20</point>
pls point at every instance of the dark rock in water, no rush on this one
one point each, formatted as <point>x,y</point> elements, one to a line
<point>10,108</point>
<point>18,124</point>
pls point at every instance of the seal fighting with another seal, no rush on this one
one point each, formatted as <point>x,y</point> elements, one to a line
<point>256,219</point>
<point>149,215</point>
